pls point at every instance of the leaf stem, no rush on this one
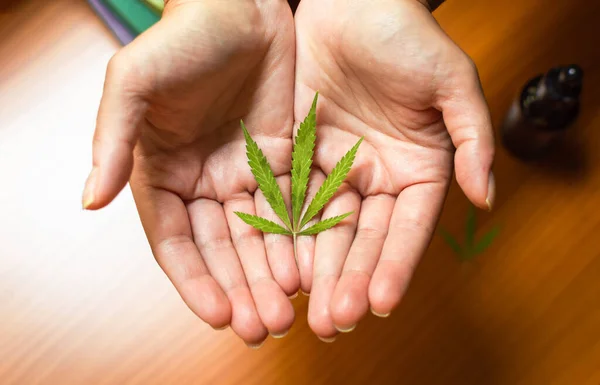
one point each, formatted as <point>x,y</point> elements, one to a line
<point>294,235</point>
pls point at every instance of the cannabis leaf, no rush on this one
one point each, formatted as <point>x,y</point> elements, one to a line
<point>453,243</point>
<point>262,224</point>
<point>325,224</point>
<point>264,177</point>
<point>331,184</point>
<point>302,161</point>
<point>471,248</point>
<point>486,240</point>
<point>302,156</point>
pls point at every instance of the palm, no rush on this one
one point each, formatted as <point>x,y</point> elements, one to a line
<point>215,64</point>
<point>379,79</point>
<point>366,94</point>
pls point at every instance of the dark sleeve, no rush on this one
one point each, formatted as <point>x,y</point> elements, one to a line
<point>433,4</point>
<point>294,4</point>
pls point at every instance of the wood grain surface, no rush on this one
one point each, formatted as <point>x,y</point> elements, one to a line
<point>83,302</point>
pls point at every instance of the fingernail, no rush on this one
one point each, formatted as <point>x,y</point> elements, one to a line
<point>256,346</point>
<point>90,188</point>
<point>491,193</point>
<point>293,295</point>
<point>346,330</point>
<point>303,293</point>
<point>327,340</point>
<point>379,314</point>
<point>277,336</point>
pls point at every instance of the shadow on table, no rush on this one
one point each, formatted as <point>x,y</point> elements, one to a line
<point>568,160</point>
<point>12,5</point>
<point>439,341</point>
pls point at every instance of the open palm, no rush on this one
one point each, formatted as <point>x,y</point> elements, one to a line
<point>169,122</point>
<point>386,71</point>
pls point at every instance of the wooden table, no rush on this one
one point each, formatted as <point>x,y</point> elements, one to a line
<point>77,308</point>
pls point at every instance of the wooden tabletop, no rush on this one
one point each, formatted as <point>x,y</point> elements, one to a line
<point>82,301</point>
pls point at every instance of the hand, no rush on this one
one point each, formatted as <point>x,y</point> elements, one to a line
<point>169,121</point>
<point>385,70</point>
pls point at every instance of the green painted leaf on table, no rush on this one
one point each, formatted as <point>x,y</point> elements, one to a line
<point>302,161</point>
<point>262,224</point>
<point>486,240</point>
<point>451,241</point>
<point>331,184</point>
<point>265,178</point>
<point>471,227</point>
<point>325,224</point>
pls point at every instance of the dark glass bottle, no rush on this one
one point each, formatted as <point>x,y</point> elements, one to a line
<point>542,112</point>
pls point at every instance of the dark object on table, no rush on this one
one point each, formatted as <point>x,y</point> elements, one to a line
<point>117,27</point>
<point>542,113</point>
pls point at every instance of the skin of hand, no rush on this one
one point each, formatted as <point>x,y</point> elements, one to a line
<point>385,70</point>
<point>169,123</point>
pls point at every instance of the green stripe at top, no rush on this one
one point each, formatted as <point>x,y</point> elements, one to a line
<point>156,5</point>
<point>134,13</point>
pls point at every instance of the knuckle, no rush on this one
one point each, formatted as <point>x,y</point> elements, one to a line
<point>121,68</point>
<point>469,66</point>
<point>371,233</point>
<point>415,225</point>
<point>115,64</point>
<point>246,238</point>
<point>214,244</point>
<point>253,282</point>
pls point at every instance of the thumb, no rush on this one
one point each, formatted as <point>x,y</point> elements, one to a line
<point>467,118</point>
<point>117,130</point>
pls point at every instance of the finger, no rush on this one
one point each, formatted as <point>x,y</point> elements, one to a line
<point>331,250</point>
<point>274,307</point>
<point>413,221</point>
<point>279,248</point>
<point>123,106</point>
<point>305,246</point>
<point>118,122</point>
<point>350,300</point>
<point>213,239</point>
<point>167,226</point>
<point>467,117</point>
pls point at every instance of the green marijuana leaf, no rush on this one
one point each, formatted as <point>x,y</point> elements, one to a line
<point>325,224</point>
<point>470,249</point>
<point>301,166</point>
<point>486,240</point>
<point>451,241</point>
<point>302,161</point>
<point>331,184</point>
<point>262,224</point>
<point>264,177</point>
